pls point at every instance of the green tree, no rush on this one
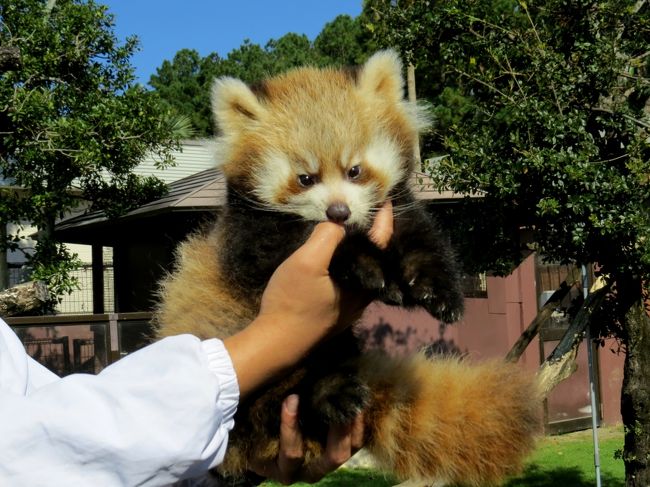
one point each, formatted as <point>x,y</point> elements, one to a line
<point>345,41</point>
<point>545,113</point>
<point>184,83</point>
<point>180,84</point>
<point>72,122</point>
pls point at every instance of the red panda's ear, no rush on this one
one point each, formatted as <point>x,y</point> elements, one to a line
<point>234,105</point>
<point>381,76</point>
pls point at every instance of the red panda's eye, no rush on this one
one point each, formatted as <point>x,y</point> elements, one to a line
<point>354,172</point>
<point>306,180</point>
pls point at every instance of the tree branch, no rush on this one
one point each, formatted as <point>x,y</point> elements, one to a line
<point>9,58</point>
<point>632,119</point>
<point>544,314</point>
<point>484,83</point>
<point>560,364</point>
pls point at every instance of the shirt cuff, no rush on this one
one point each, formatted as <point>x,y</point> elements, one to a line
<point>220,364</point>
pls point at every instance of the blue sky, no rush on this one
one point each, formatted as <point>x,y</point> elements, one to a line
<point>166,26</point>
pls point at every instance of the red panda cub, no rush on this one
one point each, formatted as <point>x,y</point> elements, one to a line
<point>332,144</point>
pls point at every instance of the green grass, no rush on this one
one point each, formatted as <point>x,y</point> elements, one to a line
<point>569,460</point>
<point>559,461</point>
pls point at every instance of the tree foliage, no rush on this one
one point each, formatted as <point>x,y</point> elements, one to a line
<point>72,121</point>
<point>184,82</point>
<point>543,112</point>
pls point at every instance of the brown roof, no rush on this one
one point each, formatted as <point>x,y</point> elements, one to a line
<point>205,190</point>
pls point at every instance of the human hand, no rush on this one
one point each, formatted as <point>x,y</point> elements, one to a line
<point>301,289</point>
<point>382,227</point>
<point>301,305</point>
<point>353,304</point>
<point>342,442</point>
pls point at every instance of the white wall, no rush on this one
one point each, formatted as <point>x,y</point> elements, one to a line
<point>194,157</point>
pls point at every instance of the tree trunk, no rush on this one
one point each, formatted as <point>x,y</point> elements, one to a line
<point>635,397</point>
<point>9,58</point>
<point>23,299</point>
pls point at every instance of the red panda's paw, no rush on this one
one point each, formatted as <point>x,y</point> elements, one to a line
<point>392,294</point>
<point>338,398</point>
<point>357,265</point>
<point>426,285</point>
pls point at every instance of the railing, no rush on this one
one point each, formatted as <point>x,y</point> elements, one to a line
<point>82,343</point>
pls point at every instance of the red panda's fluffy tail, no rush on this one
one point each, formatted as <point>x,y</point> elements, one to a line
<point>449,420</point>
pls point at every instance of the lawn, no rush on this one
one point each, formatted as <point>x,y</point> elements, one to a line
<point>568,460</point>
<point>558,461</point>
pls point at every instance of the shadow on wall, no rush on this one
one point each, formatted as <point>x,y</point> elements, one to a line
<point>399,340</point>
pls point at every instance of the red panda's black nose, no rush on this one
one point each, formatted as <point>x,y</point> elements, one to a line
<point>338,212</point>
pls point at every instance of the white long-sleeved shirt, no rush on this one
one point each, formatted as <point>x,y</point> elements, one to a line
<point>158,415</point>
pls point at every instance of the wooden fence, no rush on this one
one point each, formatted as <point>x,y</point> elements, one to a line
<point>82,343</point>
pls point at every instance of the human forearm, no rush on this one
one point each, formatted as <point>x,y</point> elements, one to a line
<point>300,307</point>
<point>267,348</point>
<point>155,415</point>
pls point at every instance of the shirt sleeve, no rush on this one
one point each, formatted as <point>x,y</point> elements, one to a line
<point>156,416</point>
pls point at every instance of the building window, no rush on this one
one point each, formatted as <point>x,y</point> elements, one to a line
<point>475,286</point>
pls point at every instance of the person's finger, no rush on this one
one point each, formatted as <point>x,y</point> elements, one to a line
<point>357,433</point>
<point>337,451</point>
<point>339,445</point>
<point>291,453</point>
<point>321,244</point>
<point>382,228</point>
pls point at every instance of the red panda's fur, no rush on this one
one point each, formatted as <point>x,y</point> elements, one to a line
<point>432,419</point>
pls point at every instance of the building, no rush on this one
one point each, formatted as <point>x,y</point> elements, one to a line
<point>190,159</point>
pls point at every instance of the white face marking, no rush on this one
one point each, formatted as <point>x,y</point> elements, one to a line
<point>361,200</point>
<point>312,204</point>
<point>383,155</point>
<point>272,175</point>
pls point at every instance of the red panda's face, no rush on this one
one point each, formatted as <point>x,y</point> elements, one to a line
<point>320,144</point>
<point>344,185</point>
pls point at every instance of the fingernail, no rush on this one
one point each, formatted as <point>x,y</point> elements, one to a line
<point>291,403</point>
